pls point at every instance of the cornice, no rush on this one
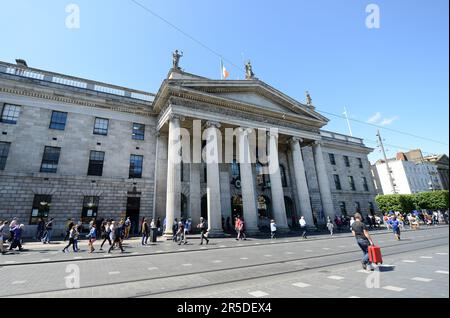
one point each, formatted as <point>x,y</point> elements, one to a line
<point>74,101</point>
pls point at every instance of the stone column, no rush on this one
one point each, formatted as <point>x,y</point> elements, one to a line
<point>324,183</point>
<point>173,198</point>
<point>276,187</point>
<point>250,209</point>
<point>213,179</point>
<point>300,180</point>
<point>195,198</point>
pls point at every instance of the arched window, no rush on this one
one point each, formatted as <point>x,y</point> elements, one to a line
<point>283,176</point>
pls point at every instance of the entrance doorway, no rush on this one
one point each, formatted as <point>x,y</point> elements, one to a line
<point>133,210</point>
<point>236,207</point>
<point>205,207</point>
<point>290,212</point>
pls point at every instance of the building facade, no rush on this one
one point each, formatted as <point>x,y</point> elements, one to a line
<point>408,176</point>
<point>76,148</point>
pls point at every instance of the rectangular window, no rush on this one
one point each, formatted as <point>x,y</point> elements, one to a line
<point>4,151</point>
<point>365,184</point>
<point>136,166</point>
<point>96,163</point>
<point>138,131</point>
<point>58,120</point>
<point>357,207</point>
<point>351,182</point>
<point>90,209</point>
<point>343,208</point>
<point>10,114</point>
<point>360,163</point>
<point>347,161</point>
<point>337,182</point>
<point>101,126</point>
<point>50,159</point>
<point>41,208</point>
<point>332,159</point>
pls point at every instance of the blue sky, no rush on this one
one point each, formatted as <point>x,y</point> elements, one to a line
<point>396,75</point>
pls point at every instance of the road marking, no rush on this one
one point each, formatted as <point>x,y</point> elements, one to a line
<point>107,255</point>
<point>187,265</point>
<point>217,261</point>
<point>442,272</point>
<point>152,268</point>
<point>336,277</point>
<point>354,297</point>
<point>289,253</point>
<point>441,253</point>
<point>45,260</point>
<point>181,250</point>
<point>114,273</point>
<point>203,248</point>
<point>393,288</point>
<point>301,285</point>
<point>258,294</point>
<point>426,257</point>
<point>257,243</point>
<point>240,245</point>
<point>267,255</point>
<point>159,251</point>
<point>19,282</point>
<point>408,261</point>
<point>9,262</point>
<point>78,257</point>
<point>421,279</point>
<point>222,246</point>
<point>135,253</point>
<point>326,248</point>
<point>285,241</point>
<point>244,258</point>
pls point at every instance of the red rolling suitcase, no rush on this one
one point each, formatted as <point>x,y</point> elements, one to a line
<point>375,255</point>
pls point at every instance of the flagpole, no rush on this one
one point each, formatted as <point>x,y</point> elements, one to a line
<point>221,69</point>
<point>348,121</point>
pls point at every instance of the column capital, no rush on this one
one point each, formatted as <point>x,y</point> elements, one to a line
<point>318,143</point>
<point>176,116</point>
<point>271,133</point>
<point>294,140</point>
<point>246,131</point>
<point>210,124</point>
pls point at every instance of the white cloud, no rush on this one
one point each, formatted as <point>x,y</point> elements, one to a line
<point>388,121</point>
<point>374,118</point>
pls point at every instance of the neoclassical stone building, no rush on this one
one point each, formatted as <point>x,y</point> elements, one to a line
<point>76,148</point>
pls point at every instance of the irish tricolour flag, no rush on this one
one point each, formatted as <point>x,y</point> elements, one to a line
<point>225,73</point>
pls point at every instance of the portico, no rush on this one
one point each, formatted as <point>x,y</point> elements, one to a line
<point>202,120</point>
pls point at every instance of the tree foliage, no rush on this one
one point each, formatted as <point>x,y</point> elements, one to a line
<point>435,200</point>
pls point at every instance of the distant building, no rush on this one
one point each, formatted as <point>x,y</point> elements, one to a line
<point>441,162</point>
<point>411,173</point>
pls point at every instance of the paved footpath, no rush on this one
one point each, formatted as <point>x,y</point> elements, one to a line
<point>321,266</point>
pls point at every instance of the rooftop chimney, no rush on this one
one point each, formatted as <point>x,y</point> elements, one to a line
<point>21,62</point>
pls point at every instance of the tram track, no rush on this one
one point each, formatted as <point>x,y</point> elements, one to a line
<point>443,241</point>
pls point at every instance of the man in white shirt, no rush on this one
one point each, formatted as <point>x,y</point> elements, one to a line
<point>303,227</point>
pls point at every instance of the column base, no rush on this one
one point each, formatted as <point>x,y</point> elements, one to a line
<point>216,233</point>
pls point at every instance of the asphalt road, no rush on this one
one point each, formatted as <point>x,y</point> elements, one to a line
<point>321,266</point>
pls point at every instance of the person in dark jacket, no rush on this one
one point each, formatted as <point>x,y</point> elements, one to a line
<point>17,237</point>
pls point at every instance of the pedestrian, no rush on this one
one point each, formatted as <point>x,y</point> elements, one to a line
<point>127,228</point>
<point>203,227</point>
<point>18,229</point>
<point>92,236</point>
<point>181,234</point>
<point>158,225</point>
<point>361,233</point>
<point>395,224</point>
<point>174,230</point>
<point>273,229</point>
<point>330,226</point>
<point>40,229</point>
<point>188,226</point>
<point>69,226</point>
<point>12,226</point>
<point>72,235</point>
<point>48,232</point>
<point>352,220</point>
<point>241,229</point>
<point>303,227</point>
<point>2,235</point>
<point>105,232</point>
<point>117,236</point>
<point>145,229</point>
